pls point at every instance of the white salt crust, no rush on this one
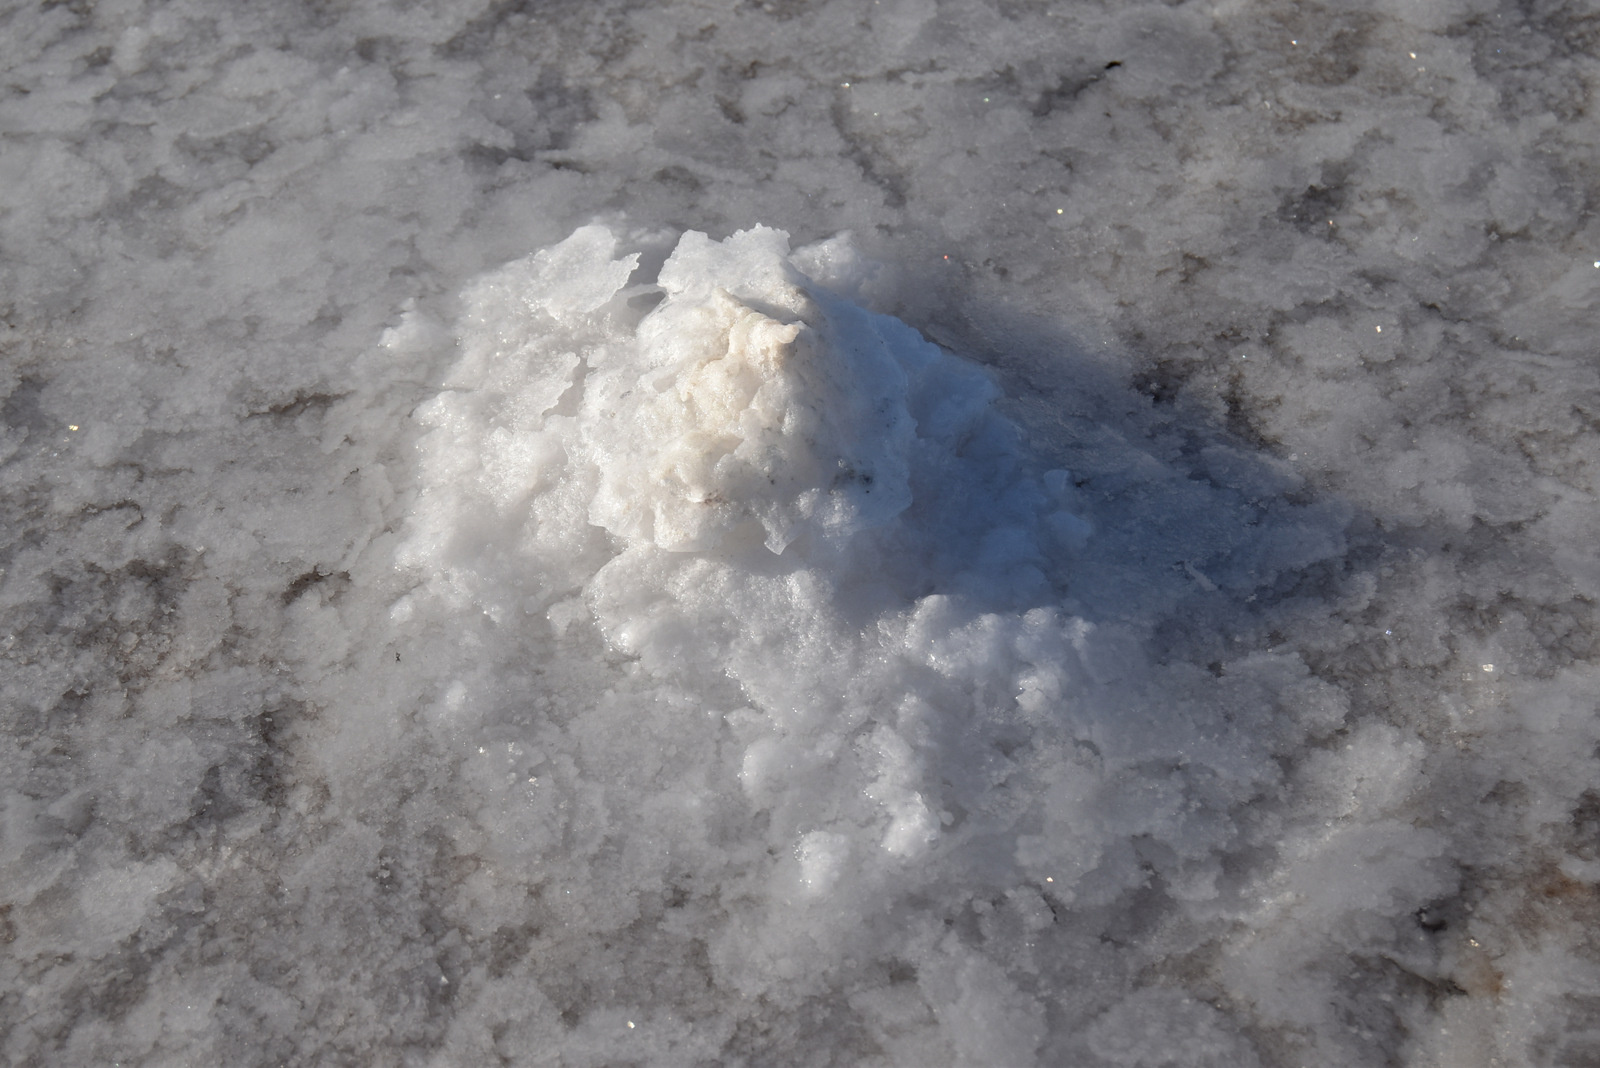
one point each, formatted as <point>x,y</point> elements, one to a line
<point>1250,649</point>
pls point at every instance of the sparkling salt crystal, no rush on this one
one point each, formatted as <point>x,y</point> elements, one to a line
<point>574,278</point>
<point>822,858</point>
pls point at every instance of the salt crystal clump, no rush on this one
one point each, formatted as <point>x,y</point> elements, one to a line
<point>755,480</point>
<point>752,407</point>
<point>854,705</point>
<point>751,396</point>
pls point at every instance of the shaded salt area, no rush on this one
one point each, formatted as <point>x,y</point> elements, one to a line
<point>456,611</point>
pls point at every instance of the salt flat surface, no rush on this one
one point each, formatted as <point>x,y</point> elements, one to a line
<point>838,533</point>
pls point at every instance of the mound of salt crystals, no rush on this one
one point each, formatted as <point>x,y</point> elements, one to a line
<point>854,717</point>
<point>754,429</point>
